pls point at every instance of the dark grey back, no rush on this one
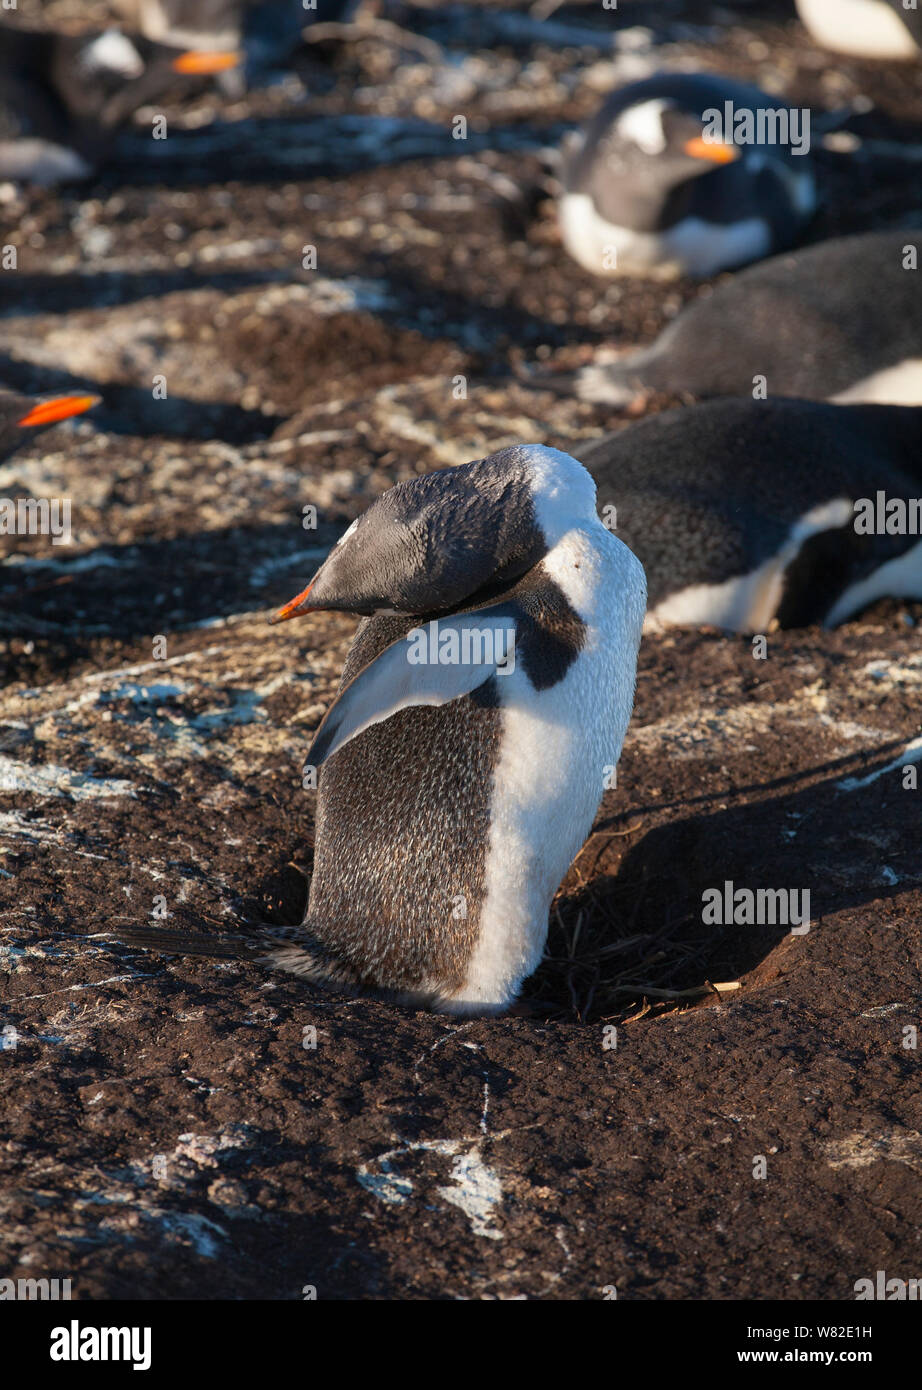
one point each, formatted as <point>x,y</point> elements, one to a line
<point>709,492</point>
<point>812,322</point>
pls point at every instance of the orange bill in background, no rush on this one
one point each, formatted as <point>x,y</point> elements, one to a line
<point>202,63</point>
<point>57,408</point>
<point>291,609</point>
<point>714,150</point>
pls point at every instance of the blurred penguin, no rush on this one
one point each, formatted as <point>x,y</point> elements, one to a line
<point>865,28</point>
<point>686,173</point>
<point>64,97</point>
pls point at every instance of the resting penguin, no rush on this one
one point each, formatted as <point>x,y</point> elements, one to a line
<point>865,28</point>
<point>62,98</point>
<point>838,321</point>
<point>482,705</point>
<point>744,512</point>
<point>267,31</point>
<point>20,416</point>
<point>650,187</point>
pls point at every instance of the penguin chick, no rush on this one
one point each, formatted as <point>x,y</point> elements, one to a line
<point>839,321</point>
<point>744,512</point>
<point>21,416</point>
<point>648,189</point>
<point>63,98</point>
<point>865,28</point>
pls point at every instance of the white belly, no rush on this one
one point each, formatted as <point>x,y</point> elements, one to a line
<point>899,385</point>
<point>899,578</point>
<point>557,747</point>
<point>693,246</point>
<point>747,602</point>
<point>41,161</point>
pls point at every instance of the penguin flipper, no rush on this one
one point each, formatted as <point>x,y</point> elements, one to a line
<point>420,669</point>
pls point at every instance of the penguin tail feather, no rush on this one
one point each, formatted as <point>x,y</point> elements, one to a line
<point>295,949</point>
<point>180,943</point>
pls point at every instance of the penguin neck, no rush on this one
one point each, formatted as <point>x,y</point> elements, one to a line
<point>562,494</point>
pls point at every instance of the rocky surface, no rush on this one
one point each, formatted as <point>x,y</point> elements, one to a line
<point>174,1127</point>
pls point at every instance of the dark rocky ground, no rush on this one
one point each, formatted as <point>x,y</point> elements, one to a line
<point>165,1132</point>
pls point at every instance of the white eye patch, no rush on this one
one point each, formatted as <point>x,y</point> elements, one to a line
<point>643,125</point>
<point>112,52</point>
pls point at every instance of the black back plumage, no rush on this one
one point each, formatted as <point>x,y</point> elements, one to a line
<point>812,322</point>
<point>708,493</point>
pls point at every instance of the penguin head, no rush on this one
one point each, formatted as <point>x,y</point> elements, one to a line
<point>104,77</point>
<point>665,135</point>
<point>453,537</point>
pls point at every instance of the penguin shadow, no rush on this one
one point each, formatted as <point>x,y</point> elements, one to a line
<point>302,144</point>
<point>157,584</point>
<point>584,24</point>
<point>132,410</point>
<point>628,927</point>
<point>27,293</point>
<point>280,899</point>
<point>877,173</point>
<point>408,299</point>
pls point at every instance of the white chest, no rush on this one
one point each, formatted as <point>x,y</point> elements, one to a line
<point>692,245</point>
<point>558,752</point>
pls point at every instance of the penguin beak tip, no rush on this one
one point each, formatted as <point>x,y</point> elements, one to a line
<point>713,151</point>
<point>57,408</point>
<point>205,63</point>
<point>294,609</point>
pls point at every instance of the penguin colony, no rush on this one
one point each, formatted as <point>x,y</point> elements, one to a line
<point>488,689</point>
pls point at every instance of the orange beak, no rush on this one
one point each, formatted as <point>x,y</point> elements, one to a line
<point>58,408</point>
<point>201,63</point>
<point>714,150</point>
<point>292,609</point>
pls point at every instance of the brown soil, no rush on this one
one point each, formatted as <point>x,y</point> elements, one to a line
<point>166,1132</point>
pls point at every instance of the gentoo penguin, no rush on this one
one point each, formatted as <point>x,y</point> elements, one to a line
<point>21,415</point>
<point>839,321</point>
<point>62,98</point>
<point>267,31</point>
<point>749,512</point>
<point>686,173</point>
<point>479,718</point>
<point>865,28</point>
